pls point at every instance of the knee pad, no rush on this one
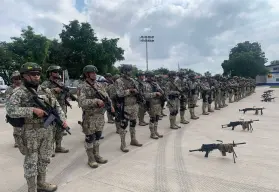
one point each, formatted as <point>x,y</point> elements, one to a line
<point>133,123</point>
<point>89,138</point>
<point>98,135</point>
<point>157,118</point>
<point>124,123</point>
<point>152,119</point>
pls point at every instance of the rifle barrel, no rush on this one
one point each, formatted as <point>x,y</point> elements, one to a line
<point>194,150</point>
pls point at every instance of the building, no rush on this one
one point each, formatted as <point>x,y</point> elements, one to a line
<point>272,78</point>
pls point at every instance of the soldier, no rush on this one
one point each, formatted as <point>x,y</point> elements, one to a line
<point>162,83</point>
<point>35,141</point>
<point>206,97</point>
<point>224,89</point>
<point>54,78</point>
<point>217,92</point>
<point>109,89</point>
<point>173,94</point>
<point>182,84</point>
<point>16,82</point>
<point>93,111</point>
<point>128,99</point>
<point>193,87</point>
<point>152,93</point>
<point>142,107</point>
<point>113,97</point>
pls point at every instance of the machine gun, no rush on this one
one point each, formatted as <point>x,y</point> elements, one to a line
<point>268,91</point>
<point>223,148</point>
<point>268,99</point>
<point>52,114</point>
<point>245,124</point>
<point>106,100</point>
<point>66,93</point>
<point>253,109</point>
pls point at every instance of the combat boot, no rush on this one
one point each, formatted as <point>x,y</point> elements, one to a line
<point>134,141</point>
<point>182,118</point>
<point>175,122</point>
<point>204,112</point>
<point>192,113</point>
<point>172,122</point>
<point>110,118</point>
<point>152,131</point>
<point>31,183</point>
<point>96,152</point>
<point>156,130</point>
<point>42,185</point>
<point>123,146</point>
<point>210,108</point>
<point>91,159</point>
<point>142,123</point>
<point>216,106</point>
<point>60,149</point>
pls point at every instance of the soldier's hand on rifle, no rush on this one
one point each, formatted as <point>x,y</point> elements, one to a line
<point>57,90</point>
<point>133,90</point>
<point>158,94</point>
<point>100,103</point>
<point>39,112</point>
<point>65,125</point>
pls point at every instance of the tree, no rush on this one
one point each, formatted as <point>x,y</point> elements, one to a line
<point>246,60</point>
<point>275,62</point>
<point>161,71</point>
<point>207,74</point>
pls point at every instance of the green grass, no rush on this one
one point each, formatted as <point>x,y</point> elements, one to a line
<point>274,86</point>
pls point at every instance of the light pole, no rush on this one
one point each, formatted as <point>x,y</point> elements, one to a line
<point>147,39</point>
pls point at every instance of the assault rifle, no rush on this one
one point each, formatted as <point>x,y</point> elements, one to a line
<point>140,97</point>
<point>223,148</point>
<point>269,99</point>
<point>245,124</point>
<point>106,100</point>
<point>253,109</point>
<point>66,93</point>
<point>163,97</point>
<point>268,91</point>
<point>52,114</point>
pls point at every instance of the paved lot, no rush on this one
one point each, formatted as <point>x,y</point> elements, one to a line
<point>165,164</point>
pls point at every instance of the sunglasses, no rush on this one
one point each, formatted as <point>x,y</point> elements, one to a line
<point>34,73</point>
<point>56,71</point>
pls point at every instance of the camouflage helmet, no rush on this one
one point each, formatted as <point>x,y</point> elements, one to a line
<point>15,74</point>
<point>53,68</point>
<point>149,74</point>
<point>192,75</point>
<point>115,77</point>
<point>126,68</point>
<point>30,66</point>
<point>180,74</point>
<point>89,68</point>
<point>108,75</point>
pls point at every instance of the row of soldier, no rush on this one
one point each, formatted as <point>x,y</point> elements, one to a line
<point>125,98</point>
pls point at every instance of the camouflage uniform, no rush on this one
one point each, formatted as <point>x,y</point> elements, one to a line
<point>57,131</point>
<point>128,102</point>
<point>142,107</point>
<point>217,92</point>
<point>193,87</point>
<point>152,93</point>
<point>224,88</point>
<point>93,120</point>
<point>14,77</point>
<point>173,95</point>
<point>162,83</point>
<point>206,95</point>
<point>182,85</point>
<point>113,97</point>
<point>35,141</point>
<point>109,89</point>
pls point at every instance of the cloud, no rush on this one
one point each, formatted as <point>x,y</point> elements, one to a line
<point>194,33</point>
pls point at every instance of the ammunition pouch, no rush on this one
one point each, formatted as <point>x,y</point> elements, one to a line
<point>15,122</point>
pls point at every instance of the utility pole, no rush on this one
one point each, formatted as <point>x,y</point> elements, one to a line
<point>147,39</point>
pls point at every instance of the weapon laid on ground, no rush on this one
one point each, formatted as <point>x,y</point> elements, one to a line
<point>106,100</point>
<point>52,114</point>
<point>66,93</point>
<point>253,109</point>
<point>223,148</point>
<point>268,99</point>
<point>268,91</point>
<point>245,124</point>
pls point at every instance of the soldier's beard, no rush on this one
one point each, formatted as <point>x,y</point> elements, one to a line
<point>32,84</point>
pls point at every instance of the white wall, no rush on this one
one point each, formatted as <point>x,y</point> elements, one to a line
<point>273,79</point>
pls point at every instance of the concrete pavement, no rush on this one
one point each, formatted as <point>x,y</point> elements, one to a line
<point>165,164</point>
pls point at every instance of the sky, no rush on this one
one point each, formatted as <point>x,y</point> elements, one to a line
<point>196,34</point>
